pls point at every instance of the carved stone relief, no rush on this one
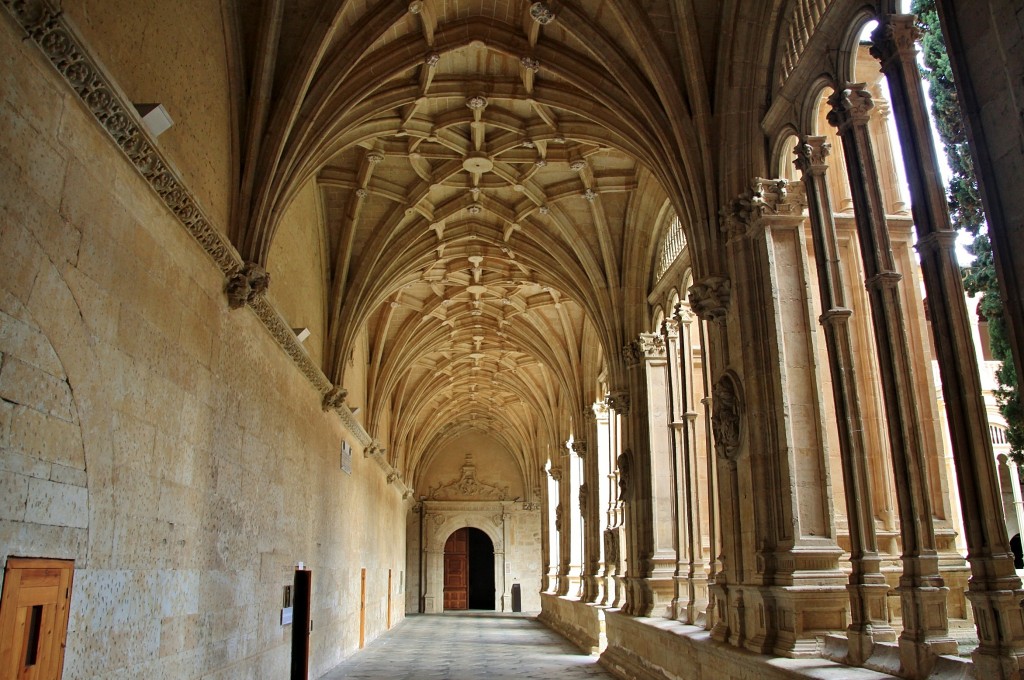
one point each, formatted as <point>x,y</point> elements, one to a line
<point>726,416</point>
<point>468,486</point>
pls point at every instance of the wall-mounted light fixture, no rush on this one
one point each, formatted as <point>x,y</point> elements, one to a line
<point>155,118</point>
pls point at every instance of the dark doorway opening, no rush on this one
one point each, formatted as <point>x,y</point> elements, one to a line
<point>469,570</point>
<point>481,570</point>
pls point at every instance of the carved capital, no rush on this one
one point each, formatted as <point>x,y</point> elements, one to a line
<point>895,39</point>
<point>683,314</point>
<point>812,155</point>
<point>618,401</point>
<point>726,416</point>
<point>580,448</point>
<point>744,215</point>
<point>709,298</point>
<point>556,474</point>
<point>850,106</point>
<point>335,397</point>
<point>670,327</point>
<point>246,284</point>
<point>647,346</point>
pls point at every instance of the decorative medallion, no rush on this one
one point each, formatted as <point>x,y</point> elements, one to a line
<point>541,13</point>
<point>476,103</point>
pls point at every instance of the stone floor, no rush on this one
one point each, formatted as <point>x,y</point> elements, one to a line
<point>469,645</point>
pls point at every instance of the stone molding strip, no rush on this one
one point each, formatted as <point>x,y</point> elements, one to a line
<point>62,46</point>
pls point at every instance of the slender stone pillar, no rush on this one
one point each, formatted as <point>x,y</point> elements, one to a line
<point>869,620</point>
<point>994,589</point>
<point>651,581</point>
<point>922,590</point>
<point>598,499</point>
<point>616,547</point>
<point>684,525</point>
<point>1018,502</point>
<point>552,526</point>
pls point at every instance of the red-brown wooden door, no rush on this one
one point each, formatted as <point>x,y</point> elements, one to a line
<point>34,618</point>
<point>456,570</point>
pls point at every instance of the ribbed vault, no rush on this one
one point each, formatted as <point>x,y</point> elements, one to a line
<point>495,180</point>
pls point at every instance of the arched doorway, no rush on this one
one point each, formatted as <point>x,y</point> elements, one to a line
<point>468,570</point>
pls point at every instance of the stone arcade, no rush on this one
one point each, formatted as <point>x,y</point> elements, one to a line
<point>629,288</point>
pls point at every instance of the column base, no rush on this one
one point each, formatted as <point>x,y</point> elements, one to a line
<point>1000,623</point>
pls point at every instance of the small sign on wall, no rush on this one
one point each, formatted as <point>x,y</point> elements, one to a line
<point>346,457</point>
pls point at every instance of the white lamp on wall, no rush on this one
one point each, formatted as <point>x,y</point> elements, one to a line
<point>155,118</point>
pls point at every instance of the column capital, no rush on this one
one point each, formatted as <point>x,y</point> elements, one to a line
<point>895,39</point>
<point>851,106</point>
<point>937,240</point>
<point>618,401</point>
<point>744,215</point>
<point>670,327</point>
<point>646,346</point>
<point>811,154</point>
<point>683,314</point>
<point>580,448</point>
<point>709,298</point>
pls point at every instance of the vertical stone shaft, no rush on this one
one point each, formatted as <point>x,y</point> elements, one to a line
<point>684,528</point>
<point>922,591</point>
<point>697,566</point>
<point>869,612</point>
<point>994,588</point>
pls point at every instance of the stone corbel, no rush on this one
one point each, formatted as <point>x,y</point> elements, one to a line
<point>246,284</point>
<point>580,448</point>
<point>374,450</point>
<point>335,398</point>
<point>709,298</point>
<point>556,474</point>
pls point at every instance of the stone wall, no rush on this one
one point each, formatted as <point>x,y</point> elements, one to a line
<point>162,441</point>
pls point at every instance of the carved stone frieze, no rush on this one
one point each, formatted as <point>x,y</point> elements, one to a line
<point>468,486</point>
<point>726,416</point>
<point>709,298</point>
<point>117,117</point>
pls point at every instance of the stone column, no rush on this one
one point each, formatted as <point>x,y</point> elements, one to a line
<point>598,497</point>
<point>552,528</point>
<point>693,497</point>
<point>1018,502</point>
<point>986,48</point>
<point>869,618</point>
<point>684,522</point>
<point>616,547</point>
<point>994,589</point>
<point>922,591</point>
<point>795,586</point>
<point>651,579</point>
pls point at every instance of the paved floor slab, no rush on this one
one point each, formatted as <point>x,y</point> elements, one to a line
<point>468,646</point>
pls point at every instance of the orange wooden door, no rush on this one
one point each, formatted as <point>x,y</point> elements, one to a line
<point>456,570</point>
<point>34,611</point>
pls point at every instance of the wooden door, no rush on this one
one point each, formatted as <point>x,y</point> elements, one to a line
<point>456,570</point>
<point>34,611</point>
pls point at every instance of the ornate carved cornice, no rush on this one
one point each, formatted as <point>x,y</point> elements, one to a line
<point>709,298</point>
<point>117,117</point>
<point>895,39</point>
<point>850,106</point>
<point>285,337</point>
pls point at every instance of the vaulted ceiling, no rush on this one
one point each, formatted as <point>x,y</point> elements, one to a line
<point>495,179</point>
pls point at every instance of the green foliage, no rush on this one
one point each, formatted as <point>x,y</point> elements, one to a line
<point>965,209</point>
